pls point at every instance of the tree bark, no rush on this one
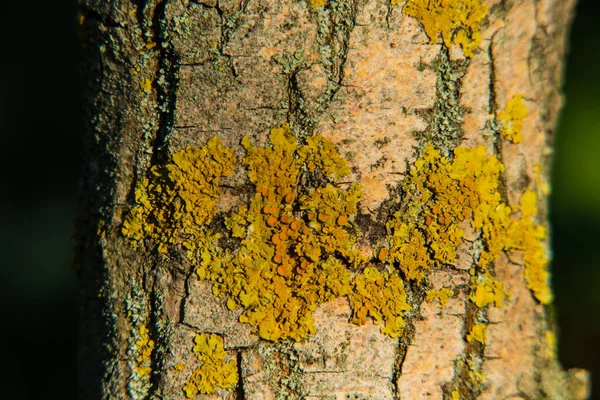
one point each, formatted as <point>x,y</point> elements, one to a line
<point>419,117</point>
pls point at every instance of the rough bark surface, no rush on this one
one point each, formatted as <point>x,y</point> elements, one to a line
<point>163,75</point>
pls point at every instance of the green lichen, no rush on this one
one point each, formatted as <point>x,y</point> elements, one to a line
<point>457,21</point>
<point>214,372</point>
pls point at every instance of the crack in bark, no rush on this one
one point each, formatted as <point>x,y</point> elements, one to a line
<point>158,323</point>
<point>228,27</point>
<point>416,293</point>
<point>492,89</point>
<point>445,129</point>
<point>167,73</point>
<point>335,25</point>
<point>240,392</point>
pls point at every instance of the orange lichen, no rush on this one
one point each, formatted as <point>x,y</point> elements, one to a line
<point>457,21</point>
<point>297,245</point>
<point>214,372</point>
<point>511,119</point>
<point>443,194</point>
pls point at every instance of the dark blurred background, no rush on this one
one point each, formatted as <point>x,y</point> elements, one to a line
<point>40,127</point>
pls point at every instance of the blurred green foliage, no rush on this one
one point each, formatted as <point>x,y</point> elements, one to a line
<point>575,201</point>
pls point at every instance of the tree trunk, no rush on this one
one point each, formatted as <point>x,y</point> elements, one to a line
<point>319,199</point>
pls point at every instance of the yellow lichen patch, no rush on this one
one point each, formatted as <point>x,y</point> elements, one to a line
<point>443,295</point>
<point>146,85</point>
<point>297,247</point>
<point>213,372</point>
<point>178,199</point>
<point>475,371</point>
<point>320,153</point>
<point>179,367</point>
<point>318,3</point>
<point>543,186</point>
<point>477,333</point>
<point>443,194</point>
<point>511,119</point>
<point>439,195</point>
<point>486,290</point>
<point>528,236</point>
<point>455,394</point>
<point>551,345</point>
<point>380,296</point>
<point>457,21</point>
<point>144,347</point>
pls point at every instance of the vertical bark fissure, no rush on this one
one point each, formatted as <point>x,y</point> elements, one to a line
<point>229,25</point>
<point>491,86</point>
<point>160,324</point>
<point>240,392</point>
<point>416,294</point>
<point>472,357</point>
<point>445,127</point>
<point>335,24</point>
<point>167,75</point>
<point>298,116</point>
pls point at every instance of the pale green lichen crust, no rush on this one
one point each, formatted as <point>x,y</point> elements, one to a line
<point>456,21</point>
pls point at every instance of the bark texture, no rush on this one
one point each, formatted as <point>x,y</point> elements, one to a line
<point>163,75</point>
